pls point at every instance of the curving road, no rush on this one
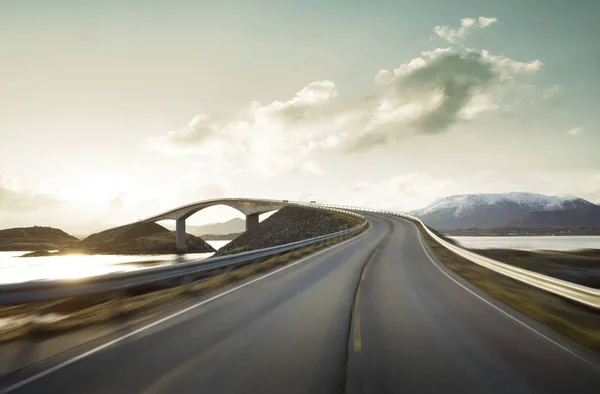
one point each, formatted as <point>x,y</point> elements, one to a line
<point>372,315</point>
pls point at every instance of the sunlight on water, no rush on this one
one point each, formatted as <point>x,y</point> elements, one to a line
<point>14,269</point>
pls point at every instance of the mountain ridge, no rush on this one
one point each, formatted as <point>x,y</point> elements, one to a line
<point>516,209</point>
<point>231,226</point>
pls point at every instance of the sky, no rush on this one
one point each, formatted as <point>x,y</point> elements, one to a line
<point>113,111</point>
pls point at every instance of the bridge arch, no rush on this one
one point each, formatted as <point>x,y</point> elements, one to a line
<point>251,208</point>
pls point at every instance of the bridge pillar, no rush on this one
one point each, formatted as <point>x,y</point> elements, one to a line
<point>180,235</point>
<point>251,221</point>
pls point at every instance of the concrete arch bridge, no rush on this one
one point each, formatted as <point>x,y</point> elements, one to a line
<point>250,207</point>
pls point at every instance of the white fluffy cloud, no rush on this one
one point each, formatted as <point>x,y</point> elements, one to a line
<point>551,92</point>
<point>466,26</point>
<point>428,94</point>
<point>592,189</point>
<point>17,200</point>
<point>574,131</point>
<point>403,192</point>
<point>270,138</point>
<point>436,90</point>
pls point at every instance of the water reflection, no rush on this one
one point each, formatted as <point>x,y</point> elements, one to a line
<point>14,269</point>
<point>562,243</point>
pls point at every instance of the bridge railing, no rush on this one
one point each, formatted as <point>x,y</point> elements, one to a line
<point>36,291</point>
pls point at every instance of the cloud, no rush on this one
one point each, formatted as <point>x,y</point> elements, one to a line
<point>197,190</point>
<point>485,22</point>
<point>304,106</point>
<point>402,192</point>
<point>14,200</point>
<point>431,97</point>
<point>118,201</point>
<point>551,92</point>
<point>312,166</point>
<point>466,26</point>
<point>431,93</point>
<point>574,131</point>
<point>199,129</point>
<point>266,138</point>
<point>508,67</point>
<point>592,189</point>
<point>485,174</point>
<point>428,94</point>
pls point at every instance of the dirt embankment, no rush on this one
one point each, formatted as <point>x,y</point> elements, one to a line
<point>35,238</point>
<point>290,224</point>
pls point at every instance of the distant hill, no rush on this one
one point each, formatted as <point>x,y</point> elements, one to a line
<point>220,237</point>
<point>521,210</point>
<point>125,232</point>
<point>35,238</point>
<point>583,216</point>
<point>142,238</point>
<point>233,226</point>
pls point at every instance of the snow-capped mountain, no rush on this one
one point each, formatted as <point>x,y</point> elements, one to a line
<point>509,209</point>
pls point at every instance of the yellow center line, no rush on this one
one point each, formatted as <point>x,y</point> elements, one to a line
<point>364,274</point>
<point>357,341</point>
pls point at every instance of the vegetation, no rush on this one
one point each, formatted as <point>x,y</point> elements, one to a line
<point>582,267</point>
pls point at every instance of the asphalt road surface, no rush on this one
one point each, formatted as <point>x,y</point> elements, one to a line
<point>373,315</point>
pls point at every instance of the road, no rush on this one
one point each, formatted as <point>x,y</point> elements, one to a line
<point>373,315</point>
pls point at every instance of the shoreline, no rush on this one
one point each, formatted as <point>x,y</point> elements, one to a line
<point>89,253</point>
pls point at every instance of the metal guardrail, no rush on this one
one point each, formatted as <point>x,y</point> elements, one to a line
<point>578,293</point>
<point>35,291</point>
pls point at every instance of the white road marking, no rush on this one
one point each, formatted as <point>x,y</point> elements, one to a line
<point>571,352</point>
<point>164,319</point>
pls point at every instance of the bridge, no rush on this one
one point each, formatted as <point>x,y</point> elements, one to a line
<point>250,207</point>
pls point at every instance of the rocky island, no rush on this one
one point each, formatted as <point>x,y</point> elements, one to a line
<point>140,238</point>
<point>35,238</point>
<point>136,238</point>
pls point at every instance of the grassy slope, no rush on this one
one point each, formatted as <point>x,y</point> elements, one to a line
<point>582,267</point>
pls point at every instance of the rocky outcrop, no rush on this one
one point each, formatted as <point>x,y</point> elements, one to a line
<point>290,224</point>
<point>35,238</point>
<point>140,238</point>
